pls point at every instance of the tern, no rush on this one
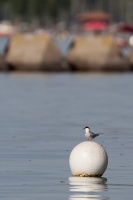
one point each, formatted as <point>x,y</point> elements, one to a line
<point>90,135</point>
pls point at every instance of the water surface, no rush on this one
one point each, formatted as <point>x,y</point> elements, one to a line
<point>41,119</point>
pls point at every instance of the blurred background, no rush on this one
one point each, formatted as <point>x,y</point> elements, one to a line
<point>65,65</point>
<point>48,13</point>
<point>66,35</point>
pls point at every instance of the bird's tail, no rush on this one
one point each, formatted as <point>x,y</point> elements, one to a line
<point>97,134</point>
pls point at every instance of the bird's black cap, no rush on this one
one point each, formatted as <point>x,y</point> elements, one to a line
<point>85,127</point>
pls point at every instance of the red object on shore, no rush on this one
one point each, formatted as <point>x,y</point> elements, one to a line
<point>95,25</point>
<point>126,28</point>
<point>94,20</point>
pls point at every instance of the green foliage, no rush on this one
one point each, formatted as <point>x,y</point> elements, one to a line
<point>56,9</point>
<point>19,7</point>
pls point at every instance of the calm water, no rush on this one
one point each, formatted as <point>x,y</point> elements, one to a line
<point>41,117</point>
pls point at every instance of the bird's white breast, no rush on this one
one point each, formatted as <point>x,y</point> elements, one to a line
<point>87,134</point>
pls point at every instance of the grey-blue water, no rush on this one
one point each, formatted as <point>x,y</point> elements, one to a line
<point>41,117</point>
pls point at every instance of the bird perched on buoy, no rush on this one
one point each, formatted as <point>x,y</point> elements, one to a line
<point>90,135</point>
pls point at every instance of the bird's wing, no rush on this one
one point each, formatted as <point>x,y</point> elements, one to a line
<point>95,133</point>
<point>92,134</point>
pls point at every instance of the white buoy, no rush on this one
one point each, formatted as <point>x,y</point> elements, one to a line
<point>88,159</point>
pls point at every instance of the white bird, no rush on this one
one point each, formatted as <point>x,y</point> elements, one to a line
<point>90,135</point>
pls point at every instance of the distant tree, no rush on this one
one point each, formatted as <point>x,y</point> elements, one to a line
<point>57,10</point>
<point>19,8</point>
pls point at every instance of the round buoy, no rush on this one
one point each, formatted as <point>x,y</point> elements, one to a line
<point>88,159</point>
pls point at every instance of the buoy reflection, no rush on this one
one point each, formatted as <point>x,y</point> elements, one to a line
<point>87,188</point>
